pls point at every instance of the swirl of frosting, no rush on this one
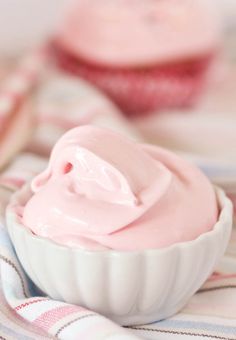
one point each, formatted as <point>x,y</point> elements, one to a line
<point>104,191</point>
<point>123,33</point>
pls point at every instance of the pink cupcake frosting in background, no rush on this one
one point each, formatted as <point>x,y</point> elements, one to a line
<point>145,55</point>
<point>137,33</point>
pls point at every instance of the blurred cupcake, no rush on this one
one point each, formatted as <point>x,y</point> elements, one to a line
<point>145,55</point>
<point>119,227</point>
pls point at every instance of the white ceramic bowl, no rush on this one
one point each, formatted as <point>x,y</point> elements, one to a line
<point>128,287</point>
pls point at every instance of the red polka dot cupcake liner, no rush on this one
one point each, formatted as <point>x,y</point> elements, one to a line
<point>142,90</point>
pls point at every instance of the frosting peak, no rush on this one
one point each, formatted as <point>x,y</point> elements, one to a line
<point>98,175</point>
<point>101,188</point>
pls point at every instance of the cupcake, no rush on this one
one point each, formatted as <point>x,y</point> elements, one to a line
<point>126,229</point>
<point>146,55</point>
<point>62,102</point>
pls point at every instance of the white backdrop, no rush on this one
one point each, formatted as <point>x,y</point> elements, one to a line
<point>24,23</point>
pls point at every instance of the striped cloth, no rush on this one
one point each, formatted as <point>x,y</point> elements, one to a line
<point>26,314</point>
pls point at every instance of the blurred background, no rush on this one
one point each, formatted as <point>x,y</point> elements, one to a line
<point>177,90</point>
<point>26,23</point>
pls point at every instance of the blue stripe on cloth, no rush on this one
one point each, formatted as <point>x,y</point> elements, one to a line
<point>12,333</point>
<point>4,239</point>
<point>5,243</point>
<point>218,171</point>
<point>172,323</point>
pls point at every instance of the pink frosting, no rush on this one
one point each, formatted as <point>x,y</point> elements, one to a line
<point>138,32</point>
<point>104,191</point>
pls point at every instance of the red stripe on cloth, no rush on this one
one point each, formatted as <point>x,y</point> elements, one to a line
<point>12,182</point>
<point>221,277</point>
<point>49,318</point>
<point>26,304</point>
